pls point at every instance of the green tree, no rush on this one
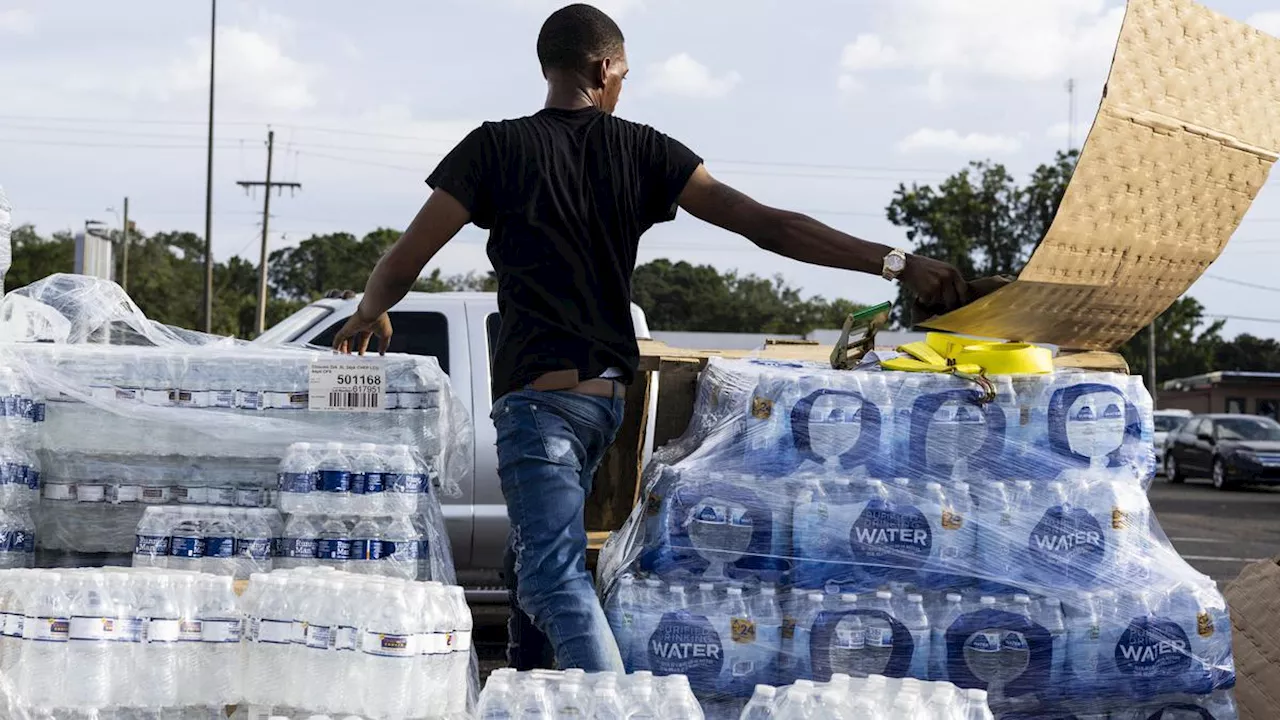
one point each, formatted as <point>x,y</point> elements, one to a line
<point>980,219</point>
<point>35,257</point>
<point>1185,344</point>
<point>337,261</point>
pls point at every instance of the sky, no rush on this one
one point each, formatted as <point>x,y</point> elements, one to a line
<point>821,106</point>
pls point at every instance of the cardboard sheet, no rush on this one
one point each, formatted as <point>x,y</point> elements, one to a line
<point>1187,132</point>
<point>1254,599</point>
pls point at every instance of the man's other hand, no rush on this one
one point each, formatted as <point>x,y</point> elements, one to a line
<point>938,286</point>
<point>357,332</point>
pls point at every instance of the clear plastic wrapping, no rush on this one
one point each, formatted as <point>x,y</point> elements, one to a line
<point>130,414</point>
<point>6,227</point>
<point>873,522</point>
<point>577,694</point>
<point>874,697</point>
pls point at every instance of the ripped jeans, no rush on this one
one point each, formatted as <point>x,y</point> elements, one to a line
<point>549,446</point>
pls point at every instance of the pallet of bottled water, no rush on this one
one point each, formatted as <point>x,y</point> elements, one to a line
<point>364,508</point>
<point>917,525</point>
<point>874,697</point>
<point>590,696</point>
<point>21,413</point>
<point>124,414</point>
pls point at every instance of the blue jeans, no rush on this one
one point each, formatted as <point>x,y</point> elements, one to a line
<point>549,446</point>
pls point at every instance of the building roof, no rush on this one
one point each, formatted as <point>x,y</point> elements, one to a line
<point>1221,377</point>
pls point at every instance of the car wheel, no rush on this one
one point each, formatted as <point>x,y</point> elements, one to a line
<point>1172,472</point>
<point>1220,479</point>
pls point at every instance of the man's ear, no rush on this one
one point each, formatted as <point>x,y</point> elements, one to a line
<point>602,71</point>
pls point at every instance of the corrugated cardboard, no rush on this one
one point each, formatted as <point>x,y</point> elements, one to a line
<point>1186,134</point>
<point>1254,600</point>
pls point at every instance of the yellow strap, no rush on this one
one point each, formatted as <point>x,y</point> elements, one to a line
<point>945,353</point>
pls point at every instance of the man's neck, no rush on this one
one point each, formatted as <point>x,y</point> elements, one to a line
<point>561,97</point>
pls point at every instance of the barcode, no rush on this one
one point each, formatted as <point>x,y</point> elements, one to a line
<point>346,399</point>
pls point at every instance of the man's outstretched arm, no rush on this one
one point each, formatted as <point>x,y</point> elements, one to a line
<point>439,220</point>
<point>938,285</point>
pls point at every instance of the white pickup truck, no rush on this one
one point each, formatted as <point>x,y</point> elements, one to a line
<point>459,329</point>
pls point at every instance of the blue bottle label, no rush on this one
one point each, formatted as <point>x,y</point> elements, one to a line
<point>187,547</point>
<point>333,549</point>
<point>255,548</point>
<point>219,547</point>
<point>335,481</point>
<point>151,545</point>
<point>358,483</point>
<point>367,549</point>
<point>295,482</point>
<point>374,482</point>
<point>300,548</point>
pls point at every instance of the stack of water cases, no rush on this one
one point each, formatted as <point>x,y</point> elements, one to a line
<point>586,696</point>
<point>897,523</point>
<point>325,642</point>
<point>146,644</point>
<point>21,415</point>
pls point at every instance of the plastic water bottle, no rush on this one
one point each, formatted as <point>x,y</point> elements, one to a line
<point>368,485</point>
<point>219,544</point>
<point>301,543</point>
<point>89,638</point>
<point>151,543</point>
<point>996,535</point>
<point>296,482</point>
<point>254,542</point>
<point>269,647</point>
<point>678,700</point>
<point>187,542</point>
<point>461,657</point>
<point>761,705</point>
<point>1047,613</point>
<point>334,470</point>
<point>620,612</point>
<point>1084,640</point>
<point>366,547</point>
<point>402,482</point>
<point>129,632</point>
<point>334,546</point>
<point>879,633</point>
<point>158,679</point>
<point>46,620</point>
<point>401,548</point>
<point>952,608</point>
<point>221,627</point>
<point>388,642</point>
<point>17,538</point>
<point>606,704</point>
<point>498,702</point>
<point>917,622</point>
<point>801,655</point>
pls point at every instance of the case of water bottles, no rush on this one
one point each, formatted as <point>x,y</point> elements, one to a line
<point>590,696</point>
<point>135,644</point>
<point>120,415</point>
<point>814,522</point>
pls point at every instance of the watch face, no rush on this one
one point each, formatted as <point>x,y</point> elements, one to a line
<point>895,263</point>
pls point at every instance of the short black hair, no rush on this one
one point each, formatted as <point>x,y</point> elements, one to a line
<point>575,36</point>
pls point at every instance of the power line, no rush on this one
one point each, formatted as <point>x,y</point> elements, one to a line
<point>1242,319</point>
<point>1241,283</point>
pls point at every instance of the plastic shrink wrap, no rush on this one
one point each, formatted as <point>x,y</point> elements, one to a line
<point>813,522</point>
<point>108,414</point>
<point>6,226</point>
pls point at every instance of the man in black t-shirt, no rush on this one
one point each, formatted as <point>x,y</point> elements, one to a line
<point>565,194</point>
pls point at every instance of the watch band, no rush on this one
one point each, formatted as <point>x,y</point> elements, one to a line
<point>893,265</point>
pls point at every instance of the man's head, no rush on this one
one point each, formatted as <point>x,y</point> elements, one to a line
<point>579,45</point>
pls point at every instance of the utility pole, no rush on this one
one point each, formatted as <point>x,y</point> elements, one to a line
<point>1151,365</point>
<point>1071,114</point>
<point>208,180</point>
<point>124,248</point>
<point>267,185</point>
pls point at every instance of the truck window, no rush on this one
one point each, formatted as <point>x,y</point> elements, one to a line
<point>415,333</point>
<point>492,324</point>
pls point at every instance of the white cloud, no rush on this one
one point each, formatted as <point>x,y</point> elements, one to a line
<point>254,71</point>
<point>17,22</point>
<point>950,141</point>
<point>1267,22</point>
<point>937,89</point>
<point>1009,39</point>
<point>867,52</point>
<point>681,75</point>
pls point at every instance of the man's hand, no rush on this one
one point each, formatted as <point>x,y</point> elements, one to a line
<point>358,332</point>
<point>938,286</point>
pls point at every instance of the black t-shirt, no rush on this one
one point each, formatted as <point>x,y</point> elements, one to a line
<point>565,195</point>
